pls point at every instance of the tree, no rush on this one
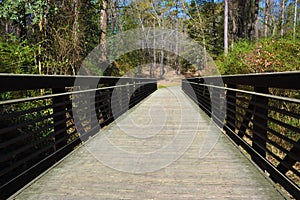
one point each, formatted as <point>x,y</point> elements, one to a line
<point>282,18</point>
<point>234,25</point>
<point>267,15</point>
<point>295,19</point>
<point>17,56</point>
<point>62,33</point>
<point>103,27</point>
<point>256,9</point>
<point>226,27</point>
<point>241,18</point>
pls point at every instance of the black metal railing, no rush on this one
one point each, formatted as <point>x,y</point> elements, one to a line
<point>259,112</point>
<point>37,121</point>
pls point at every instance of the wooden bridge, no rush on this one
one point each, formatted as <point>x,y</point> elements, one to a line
<point>212,138</point>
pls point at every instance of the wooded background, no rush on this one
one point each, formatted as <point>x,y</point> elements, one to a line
<point>54,36</point>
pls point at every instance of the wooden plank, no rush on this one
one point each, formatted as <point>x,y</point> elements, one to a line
<point>211,168</point>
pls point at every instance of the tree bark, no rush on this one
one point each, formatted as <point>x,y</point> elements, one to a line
<point>214,29</point>
<point>267,15</point>
<point>282,18</point>
<point>75,37</point>
<point>250,19</point>
<point>153,67</point>
<point>295,19</point>
<point>234,23</point>
<point>40,48</point>
<point>203,37</point>
<point>226,27</point>
<point>162,70</point>
<point>176,62</point>
<point>7,27</point>
<point>103,27</point>
<point>256,9</point>
<point>241,18</point>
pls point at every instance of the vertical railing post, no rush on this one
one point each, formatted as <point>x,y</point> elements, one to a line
<point>94,121</point>
<point>59,118</point>
<point>131,94</point>
<point>123,95</point>
<point>200,91</point>
<point>135,90</point>
<point>207,93</point>
<point>210,93</point>
<point>154,86</point>
<point>111,102</point>
<point>260,123</point>
<point>104,107</point>
<point>216,107</point>
<point>128,93</point>
<point>231,108</point>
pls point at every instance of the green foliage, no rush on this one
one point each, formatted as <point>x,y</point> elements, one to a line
<point>267,55</point>
<point>10,9</point>
<point>36,9</point>
<point>17,10</point>
<point>16,56</point>
<point>206,26</point>
<point>235,62</point>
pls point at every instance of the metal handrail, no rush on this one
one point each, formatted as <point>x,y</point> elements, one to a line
<point>291,100</point>
<point>13,101</point>
<point>37,131</point>
<point>258,115</point>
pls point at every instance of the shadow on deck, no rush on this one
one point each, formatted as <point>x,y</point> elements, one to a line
<point>163,148</point>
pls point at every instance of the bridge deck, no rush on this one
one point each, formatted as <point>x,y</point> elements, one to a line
<point>148,161</point>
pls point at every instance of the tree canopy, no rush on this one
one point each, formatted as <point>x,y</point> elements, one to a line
<point>55,36</point>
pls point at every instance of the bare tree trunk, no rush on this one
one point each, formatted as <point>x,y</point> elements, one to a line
<point>40,48</point>
<point>162,70</point>
<point>234,23</point>
<point>6,27</point>
<point>241,18</point>
<point>176,61</point>
<point>75,37</point>
<point>75,24</point>
<point>282,18</point>
<point>256,8</point>
<point>114,15</point>
<point>203,36</point>
<point>161,25</point>
<point>153,67</point>
<point>103,27</point>
<point>226,27</point>
<point>214,29</point>
<point>267,14</point>
<point>250,19</point>
<point>295,19</point>
<point>177,69</point>
<point>143,44</point>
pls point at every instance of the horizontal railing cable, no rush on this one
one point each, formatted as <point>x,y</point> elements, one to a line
<point>37,131</point>
<point>266,125</point>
